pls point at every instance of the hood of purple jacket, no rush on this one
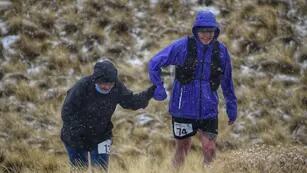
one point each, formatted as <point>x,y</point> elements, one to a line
<point>205,19</point>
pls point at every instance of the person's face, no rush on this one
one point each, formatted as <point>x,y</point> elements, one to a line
<point>205,36</point>
<point>106,85</point>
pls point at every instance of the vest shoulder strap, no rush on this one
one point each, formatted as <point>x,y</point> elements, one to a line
<point>216,68</point>
<point>185,73</point>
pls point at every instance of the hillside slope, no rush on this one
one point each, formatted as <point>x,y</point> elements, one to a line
<point>48,45</point>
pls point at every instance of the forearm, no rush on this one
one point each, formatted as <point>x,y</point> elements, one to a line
<point>171,55</point>
<point>138,100</point>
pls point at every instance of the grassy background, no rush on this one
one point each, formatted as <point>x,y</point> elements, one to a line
<point>59,42</point>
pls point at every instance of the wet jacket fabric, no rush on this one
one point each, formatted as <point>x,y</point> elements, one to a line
<point>196,100</point>
<point>86,113</point>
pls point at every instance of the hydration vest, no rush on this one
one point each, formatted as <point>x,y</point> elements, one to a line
<point>186,73</point>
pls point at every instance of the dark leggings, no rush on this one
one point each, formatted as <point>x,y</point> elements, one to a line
<point>79,158</point>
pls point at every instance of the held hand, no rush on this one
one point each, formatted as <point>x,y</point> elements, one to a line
<point>160,93</point>
<point>150,91</point>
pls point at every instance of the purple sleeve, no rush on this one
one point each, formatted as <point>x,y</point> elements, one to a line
<point>228,89</point>
<point>173,54</point>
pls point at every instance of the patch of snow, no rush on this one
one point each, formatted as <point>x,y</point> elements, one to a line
<point>251,58</point>
<point>147,53</point>
<point>3,135</point>
<point>138,47</point>
<point>101,48</point>
<point>31,107</point>
<point>50,94</point>
<point>80,4</point>
<point>2,86</point>
<point>280,77</point>
<point>239,127</point>
<point>3,28</point>
<point>245,70</point>
<point>140,14</point>
<point>67,40</point>
<point>257,141</point>
<point>213,9</point>
<point>304,65</point>
<point>63,33</point>
<point>139,40</point>
<point>4,5</point>
<point>283,115</point>
<point>252,116</point>
<point>291,13</point>
<point>299,132</point>
<point>9,40</point>
<point>143,119</point>
<point>153,3</point>
<point>70,72</point>
<point>235,136</point>
<point>301,28</point>
<point>34,71</point>
<point>249,72</point>
<point>135,61</point>
<point>84,49</point>
<point>188,2</point>
<point>12,100</point>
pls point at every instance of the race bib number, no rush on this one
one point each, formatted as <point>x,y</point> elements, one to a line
<point>182,129</point>
<point>104,147</point>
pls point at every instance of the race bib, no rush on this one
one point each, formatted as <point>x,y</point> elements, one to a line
<point>104,147</point>
<point>182,129</point>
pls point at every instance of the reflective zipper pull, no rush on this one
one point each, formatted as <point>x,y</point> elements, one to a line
<point>180,98</point>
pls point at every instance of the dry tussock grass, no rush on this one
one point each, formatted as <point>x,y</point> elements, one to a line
<point>14,65</point>
<point>54,34</point>
<point>263,158</point>
<point>253,159</point>
<point>29,48</point>
<point>24,92</point>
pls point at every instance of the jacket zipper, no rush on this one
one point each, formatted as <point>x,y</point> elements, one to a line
<point>200,93</point>
<point>180,98</point>
<point>201,74</point>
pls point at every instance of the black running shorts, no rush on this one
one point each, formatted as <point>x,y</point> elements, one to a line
<point>183,128</point>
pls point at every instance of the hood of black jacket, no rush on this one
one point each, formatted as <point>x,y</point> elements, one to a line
<point>105,71</point>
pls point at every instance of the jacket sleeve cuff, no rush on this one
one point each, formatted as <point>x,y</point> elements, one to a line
<point>232,116</point>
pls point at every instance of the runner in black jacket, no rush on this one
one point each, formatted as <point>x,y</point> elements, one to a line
<point>87,112</point>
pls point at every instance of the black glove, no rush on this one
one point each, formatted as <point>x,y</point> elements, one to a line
<point>150,91</point>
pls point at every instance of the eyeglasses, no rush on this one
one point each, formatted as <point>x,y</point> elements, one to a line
<point>206,30</point>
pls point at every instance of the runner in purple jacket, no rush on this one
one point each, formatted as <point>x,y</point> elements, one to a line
<point>194,105</point>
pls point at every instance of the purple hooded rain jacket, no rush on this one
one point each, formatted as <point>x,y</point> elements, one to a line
<point>196,100</point>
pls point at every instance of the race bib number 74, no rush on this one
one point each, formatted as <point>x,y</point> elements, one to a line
<point>182,129</point>
<point>104,147</point>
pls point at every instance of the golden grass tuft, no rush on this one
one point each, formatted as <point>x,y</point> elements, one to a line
<point>24,92</point>
<point>29,48</point>
<point>92,30</point>
<point>15,24</point>
<point>257,26</point>
<point>13,66</point>
<point>46,18</point>
<point>264,158</point>
<point>38,163</point>
<point>69,21</point>
<point>61,60</point>
<point>302,6</point>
